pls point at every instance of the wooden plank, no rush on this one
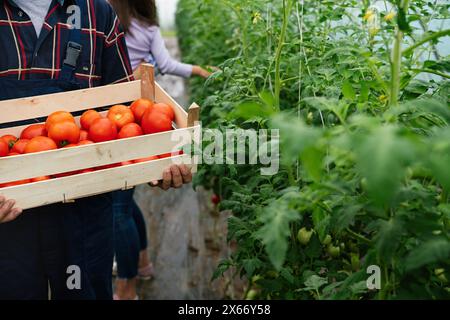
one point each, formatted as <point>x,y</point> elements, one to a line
<point>88,184</point>
<point>89,156</point>
<point>147,76</point>
<point>163,97</point>
<point>42,106</point>
<point>193,115</point>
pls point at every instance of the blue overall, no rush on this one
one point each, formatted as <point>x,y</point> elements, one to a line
<point>37,248</point>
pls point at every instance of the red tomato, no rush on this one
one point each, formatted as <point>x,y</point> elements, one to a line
<point>139,107</point>
<point>38,179</point>
<point>4,148</point>
<point>154,122</point>
<point>146,159</point>
<point>130,130</point>
<point>84,135</point>
<point>11,154</point>
<point>20,145</point>
<point>58,116</point>
<point>126,163</point>
<point>70,145</point>
<point>168,155</point>
<point>120,115</point>
<point>35,130</point>
<point>164,109</point>
<point>9,139</point>
<point>39,144</point>
<point>85,142</point>
<point>15,183</point>
<point>88,117</point>
<point>65,132</point>
<point>215,199</point>
<point>86,171</point>
<point>102,130</point>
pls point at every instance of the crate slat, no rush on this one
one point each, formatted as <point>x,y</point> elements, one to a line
<point>89,156</point>
<point>78,186</point>
<point>72,101</point>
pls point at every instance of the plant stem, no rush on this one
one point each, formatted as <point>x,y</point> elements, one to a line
<point>438,73</point>
<point>431,37</point>
<point>286,9</point>
<point>396,65</point>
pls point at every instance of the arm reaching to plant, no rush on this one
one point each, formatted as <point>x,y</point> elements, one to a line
<point>7,210</point>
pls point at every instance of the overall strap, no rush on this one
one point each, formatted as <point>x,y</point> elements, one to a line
<point>74,47</point>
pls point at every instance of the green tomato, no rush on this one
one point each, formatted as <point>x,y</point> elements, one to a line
<point>304,236</point>
<point>327,240</point>
<point>440,273</point>
<point>333,251</point>
<point>354,258</point>
<point>251,295</point>
<point>256,278</point>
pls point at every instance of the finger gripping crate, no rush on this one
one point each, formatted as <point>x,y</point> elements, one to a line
<point>67,189</point>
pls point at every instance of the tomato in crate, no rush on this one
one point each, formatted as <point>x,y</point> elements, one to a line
<point>34,130</point>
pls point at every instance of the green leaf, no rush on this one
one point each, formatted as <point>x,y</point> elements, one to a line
<point>275,231</point>
<point>312,160</point>
<point>429,252</point>
<point>314,282</point>
<point>249,110</point>
<point>388,238</point>
<point>382,157</point>
<point>250,265</point>
<point>348,91</point>
<point>221,269</point>
<point>321,220</point>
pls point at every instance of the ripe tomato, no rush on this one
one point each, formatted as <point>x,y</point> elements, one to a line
<point>146,159</point>
<point>139,107</point>
<point>88,117</point>
<point>13,154</point>
<point>39,144</point>
<point>38,179</point>
<point>84,142</point>
<point>84,135</point>
<point>58,116</point>
<point>215,199</point>
<point>4,148</point>
<point>35,130</point>
<point>65,132</point>
<point>9,139</point>
<point>70,145</point>
<point>168,155</point>
<point>154,122</point>
<point>102,130</point>
<point>164,109</point>
<point>120,115</point>
<point>130,130</point>
<point>126,163</point>
<point>86,171</point>
<point>15,183</point>
<point>20,145</point>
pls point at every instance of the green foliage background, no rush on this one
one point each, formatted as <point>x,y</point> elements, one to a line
<point>365,143</point>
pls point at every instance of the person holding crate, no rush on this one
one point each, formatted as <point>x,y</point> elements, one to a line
<point>44,52</point>
<point>145,44</point>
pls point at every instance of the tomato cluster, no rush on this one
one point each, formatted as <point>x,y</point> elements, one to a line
<point>62,131</point>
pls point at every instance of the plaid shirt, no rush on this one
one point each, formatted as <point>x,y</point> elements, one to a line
<point>104,59</point>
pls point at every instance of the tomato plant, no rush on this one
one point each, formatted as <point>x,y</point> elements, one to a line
<point>361,105</point>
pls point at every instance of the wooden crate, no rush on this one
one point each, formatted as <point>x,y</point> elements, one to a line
<point>67,189</point>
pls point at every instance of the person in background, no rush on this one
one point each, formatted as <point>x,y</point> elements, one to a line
<point>145,44</point>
